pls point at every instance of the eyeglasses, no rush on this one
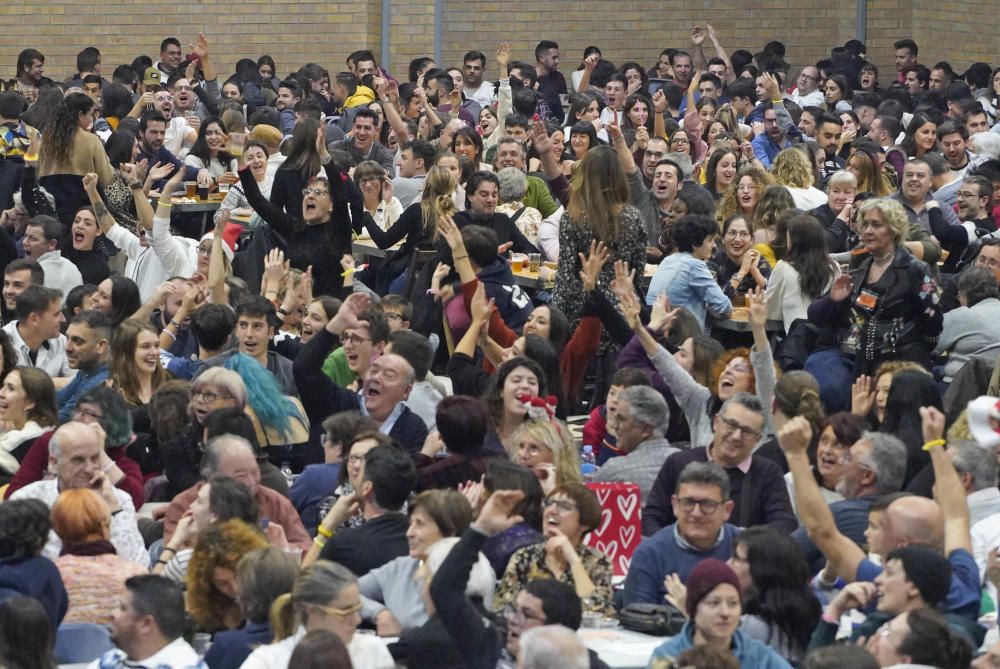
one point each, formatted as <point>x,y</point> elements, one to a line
<point>354,339</point>
<point>86,413</point>
<point>968,194</point>
<point>735,234</point>
<point>561,504</point>
<point>206,395</point>
<point>517,615</point>
<point>734,427</point>
<point>808,77</point>
<point>354,459</point>
<point>707,506</point>
<point>743,188</point>
<point>681,140</point>
<point>369,180</point>
<point>318,192</point>
<point>205,249</point>
<point>183,88</point>
<point>339,613</point>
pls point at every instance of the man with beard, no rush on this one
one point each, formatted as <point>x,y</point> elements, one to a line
<point>180,134</point>
<point>88,340</point>
<point>152,135</point>
<point>148,627</point>
<point>472,71</point>
<point>361,145</point>
<point>289,94</point>
<point>873,466</point>
<point>973,196</point>
<point>953,137</point>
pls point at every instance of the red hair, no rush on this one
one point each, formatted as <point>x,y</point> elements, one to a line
<point>80,515</point>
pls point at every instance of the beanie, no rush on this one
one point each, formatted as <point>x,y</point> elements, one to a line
<point>927,570</point>
<point>704,578</point>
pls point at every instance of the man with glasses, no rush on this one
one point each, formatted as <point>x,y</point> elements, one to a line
<point>807,92</point>
<point>758,490</point>
<point>702,508</point>
<point>767,145</point>
<point>639,423</point>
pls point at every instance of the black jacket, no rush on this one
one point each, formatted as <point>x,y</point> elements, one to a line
<point>322,397</point>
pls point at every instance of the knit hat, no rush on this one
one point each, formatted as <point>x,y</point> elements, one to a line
<point>927,570</point>
<point>704,578</point>
<point>229,237</point>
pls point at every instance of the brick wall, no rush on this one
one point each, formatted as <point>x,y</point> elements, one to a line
<point>295,32</point>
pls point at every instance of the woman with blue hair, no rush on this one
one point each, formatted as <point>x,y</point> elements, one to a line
<point>280,420</point>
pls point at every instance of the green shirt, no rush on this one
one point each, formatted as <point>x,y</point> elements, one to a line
<point>335,366</point>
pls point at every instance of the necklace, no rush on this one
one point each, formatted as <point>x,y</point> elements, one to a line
<point>883,260</point>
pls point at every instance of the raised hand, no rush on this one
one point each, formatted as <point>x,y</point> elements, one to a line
<point>697,36</point>
<point>624,281</point>
<point>200,47</point>
<point>591,61</point>
<point>451,233</point>
<point>503,57</point>
<point>677,592</point>
<point>540,139</point>
<point>275,266</point>
<point>795,435</point>
<point>613,129</point>
<point>347,315</point>
<point>662,317</point>
<point>771,86</point>
<point>932,423</point>
<point>659,101</point>
<point>474,492</point>
<point>630,309</point>
<point>757,303</point>
<point>592,264</point>
<point>842,288</point>
<point>498,512</point>
<point>642,137</point>
<point>862,395</point>
<point>441,271</point>
<point>90,183</point>
<point>480,308</point>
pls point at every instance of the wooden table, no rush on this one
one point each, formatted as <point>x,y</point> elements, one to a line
<point>366,247</point>
<point>189,205</point>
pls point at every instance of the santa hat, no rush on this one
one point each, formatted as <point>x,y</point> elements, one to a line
<point>229,238</point>
<point>984,421</point>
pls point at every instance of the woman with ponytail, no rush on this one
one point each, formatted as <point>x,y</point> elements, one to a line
<point>325,597</point>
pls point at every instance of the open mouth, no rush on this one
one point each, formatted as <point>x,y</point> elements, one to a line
<point>352,360</point>
<point>372,392</point>
<point>78,238</point>
<point>726,383</point>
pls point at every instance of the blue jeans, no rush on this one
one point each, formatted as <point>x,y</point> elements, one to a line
<point>834,372</point>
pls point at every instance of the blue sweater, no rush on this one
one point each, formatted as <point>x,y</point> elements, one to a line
<point>660,555</point>
<point>751,653</point>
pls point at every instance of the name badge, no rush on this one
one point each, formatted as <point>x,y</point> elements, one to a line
<point>867,299</point>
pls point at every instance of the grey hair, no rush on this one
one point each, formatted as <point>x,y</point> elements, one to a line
<point>319,584</point>
<point>482,579</point>
<point>553,646</point>
<point>227,380</point>
<point>979,463</point>
<point>886,459</point>
<point>705,473</point>
<point>219,446</point>
<point>842,178</point>
<point>513,184</point>
<point>683,161</point>
<point>977,284</point>
<point>648,406</point>
<point>748,401</point>
<point>985,143</point>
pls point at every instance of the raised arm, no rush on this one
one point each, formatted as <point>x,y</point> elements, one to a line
<point>843,554</point>
<point>625,158</point>
<point>948,489</point>
<point>217,261</point>
<point>589,63</point>
<point>721,53</point>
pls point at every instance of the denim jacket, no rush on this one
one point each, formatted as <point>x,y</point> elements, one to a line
<point>689,283</point>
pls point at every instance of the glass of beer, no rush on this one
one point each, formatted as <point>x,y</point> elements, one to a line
<point>517,262</point>
<point>190,189</point>
<point>534,262</point>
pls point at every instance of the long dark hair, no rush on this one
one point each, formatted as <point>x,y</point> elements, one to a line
<point>910,391</point>
<point>58,133</point>
<point>302,155</point>
<point>26,637</point>
<point>200,148</point>
<point>779,591</point>
<point>713,166</point>
<point>125,300</point>
<point>502,474</point>
<point>493,398</point>
<point>119,147</point>
<point>808,255</point>
<point>544,352</point>
<point>918,121</point>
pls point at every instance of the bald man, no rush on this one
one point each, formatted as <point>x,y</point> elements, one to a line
<point>75,456</point>
<point>908,521</point>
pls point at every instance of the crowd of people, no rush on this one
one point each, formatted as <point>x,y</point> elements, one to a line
<point>331,426</point>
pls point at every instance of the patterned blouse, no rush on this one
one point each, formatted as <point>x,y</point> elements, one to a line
<point>94,584</point>
<point>528,564</point>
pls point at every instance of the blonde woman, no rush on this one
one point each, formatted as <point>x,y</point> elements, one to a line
<point>793,170</point>
<point>545,447</point>
<point>744,194</point>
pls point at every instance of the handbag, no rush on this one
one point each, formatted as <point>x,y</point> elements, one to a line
<point>652,619</point>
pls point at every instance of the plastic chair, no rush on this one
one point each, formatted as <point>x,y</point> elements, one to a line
<point>81,642</point>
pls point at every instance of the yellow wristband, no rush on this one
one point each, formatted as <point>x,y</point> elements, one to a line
<point>934,442</point>
<point>31,157</point>
<point>161,203</point>
<point>325,532</point>
<point>319,542</point>
<point>777,102</point>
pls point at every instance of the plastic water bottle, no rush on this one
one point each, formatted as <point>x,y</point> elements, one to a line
<point>588,463</point>
<point>286,470</point>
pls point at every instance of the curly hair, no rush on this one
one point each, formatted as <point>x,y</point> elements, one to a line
<point>493,398</point>
<point>555,435</point>
<point>61,129</point>
<point>168,410</point>
<point>220,546</point>
<point>725,359</point>
<point>761,178</point>
<point>774,202</point>
<point>791,168</point>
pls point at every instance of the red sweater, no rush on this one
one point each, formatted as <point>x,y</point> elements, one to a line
<point>573,360</point>
<point>36,462</point>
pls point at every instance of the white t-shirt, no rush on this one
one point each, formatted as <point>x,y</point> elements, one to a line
<point>177,128</point>
<point>483,95</point>
<point>366,651</point>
